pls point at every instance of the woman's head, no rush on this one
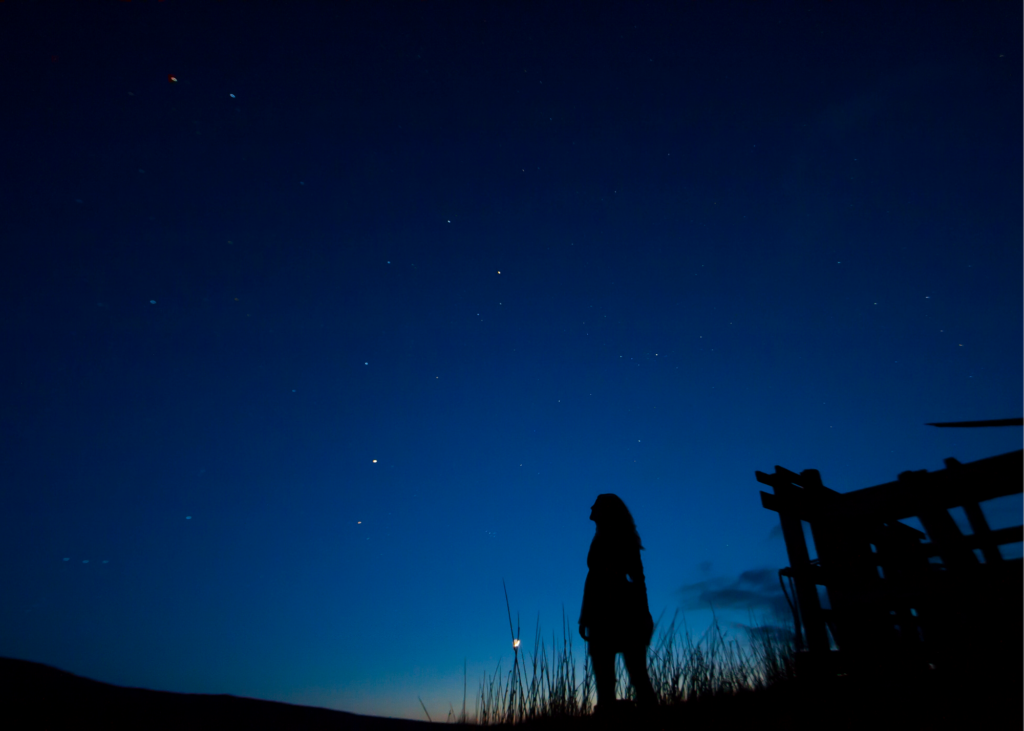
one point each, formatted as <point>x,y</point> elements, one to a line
<point>614,519</point>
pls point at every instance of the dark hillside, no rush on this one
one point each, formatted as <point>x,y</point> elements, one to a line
<point>38,696</point>
<point>41,697</point>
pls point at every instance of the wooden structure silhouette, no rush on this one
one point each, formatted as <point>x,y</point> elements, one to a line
<point>894,599</point>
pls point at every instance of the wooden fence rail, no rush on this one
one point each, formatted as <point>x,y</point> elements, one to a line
<point>889,598</point>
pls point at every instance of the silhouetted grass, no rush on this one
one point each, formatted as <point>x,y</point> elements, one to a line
<point>680,669</point>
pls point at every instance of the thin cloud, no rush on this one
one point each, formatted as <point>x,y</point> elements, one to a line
<point>755,590</point>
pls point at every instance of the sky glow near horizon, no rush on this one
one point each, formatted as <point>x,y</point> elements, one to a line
<point>315,345</point>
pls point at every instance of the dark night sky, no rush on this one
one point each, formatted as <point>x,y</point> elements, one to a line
<point>274,424</point>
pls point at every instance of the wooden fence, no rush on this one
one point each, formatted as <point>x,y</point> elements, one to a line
<point>895,599</point>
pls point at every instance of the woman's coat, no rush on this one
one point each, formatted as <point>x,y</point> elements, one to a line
<point>615,611</point>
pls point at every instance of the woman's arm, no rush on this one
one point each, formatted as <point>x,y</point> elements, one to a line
<point>584,610</point>
<point>636,574</point>
<point>635,570</point>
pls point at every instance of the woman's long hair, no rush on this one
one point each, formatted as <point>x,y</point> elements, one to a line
<point>614,520</point>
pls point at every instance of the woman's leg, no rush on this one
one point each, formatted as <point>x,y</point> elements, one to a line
<point>603,663</point>
<point>636,663</point>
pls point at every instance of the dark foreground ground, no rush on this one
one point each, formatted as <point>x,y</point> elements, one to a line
<point>35,696</point>
<point>844,703</point>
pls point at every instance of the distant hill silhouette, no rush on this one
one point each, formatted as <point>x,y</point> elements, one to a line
<point>35,696</point>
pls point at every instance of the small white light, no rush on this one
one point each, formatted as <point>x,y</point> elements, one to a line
<point>515,644</point>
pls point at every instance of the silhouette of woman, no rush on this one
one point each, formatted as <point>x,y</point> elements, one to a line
<point>615,616</point>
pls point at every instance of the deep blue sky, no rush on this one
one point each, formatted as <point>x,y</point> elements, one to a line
<point>275,425</point>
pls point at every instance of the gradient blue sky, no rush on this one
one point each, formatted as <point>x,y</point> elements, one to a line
<point>308,351</point>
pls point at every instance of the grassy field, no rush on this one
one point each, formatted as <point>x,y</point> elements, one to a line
<point>715,683</point>
<point>544,685</point>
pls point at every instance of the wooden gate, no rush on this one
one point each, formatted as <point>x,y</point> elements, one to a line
<point>895,599</point>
